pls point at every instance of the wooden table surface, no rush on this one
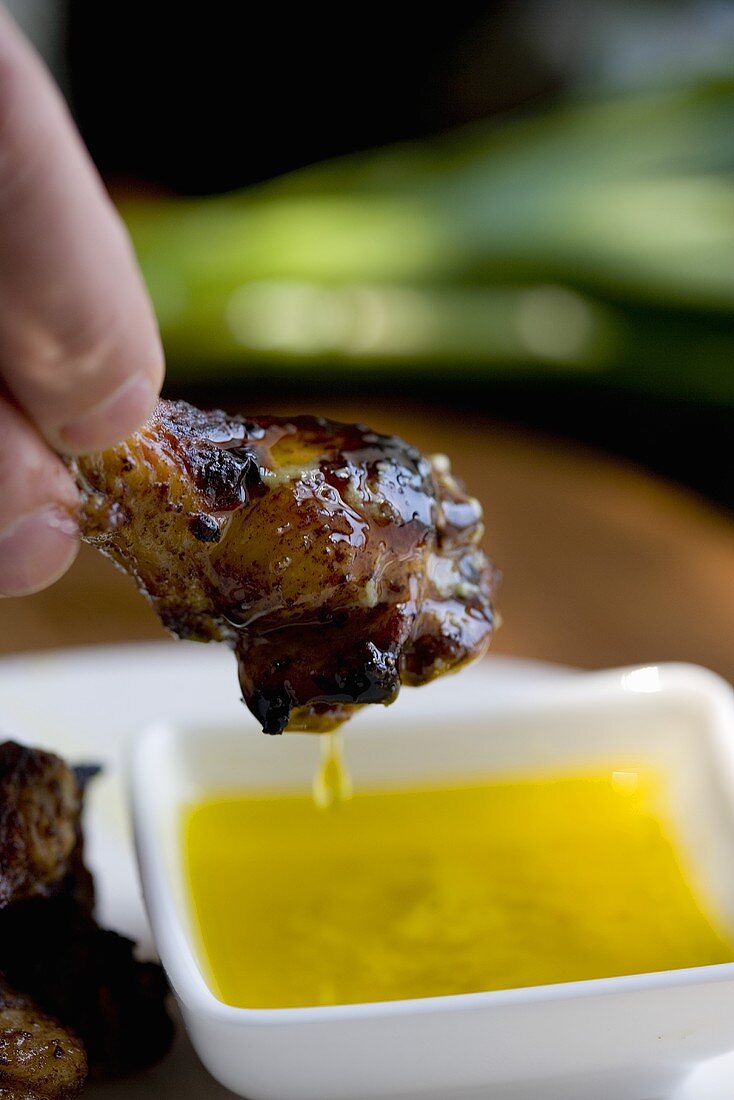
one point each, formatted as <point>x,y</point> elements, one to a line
<point>603,564</point>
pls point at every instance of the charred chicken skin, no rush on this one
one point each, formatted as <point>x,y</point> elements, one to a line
<point>337,563</point>
<point>40,1059</point>
<point>71,993</point>
<point>40,804</point>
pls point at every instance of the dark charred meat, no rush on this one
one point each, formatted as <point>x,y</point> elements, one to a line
<point>51,948</point>
<point>337,563</point>
<point>90,978</point>
<point>40,1059</point>
<point>40,804</point>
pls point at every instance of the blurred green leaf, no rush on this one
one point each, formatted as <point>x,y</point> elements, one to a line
<point>597,238</point>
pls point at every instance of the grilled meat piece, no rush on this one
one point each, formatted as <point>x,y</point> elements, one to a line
<point>40,804</point>
<point>51,948</point>
<point>89,978</point>
<point>336,562</point>
<point>40,1059</point>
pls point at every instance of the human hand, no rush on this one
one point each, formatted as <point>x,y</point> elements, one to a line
<point>81,362</point>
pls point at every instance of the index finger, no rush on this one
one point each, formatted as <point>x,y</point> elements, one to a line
<point>79,345</point>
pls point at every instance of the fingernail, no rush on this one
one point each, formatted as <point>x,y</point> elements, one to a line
<point>112,419</point>
<point>36,550</point>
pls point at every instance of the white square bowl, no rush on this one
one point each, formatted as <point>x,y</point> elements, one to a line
<point>625,1038</point>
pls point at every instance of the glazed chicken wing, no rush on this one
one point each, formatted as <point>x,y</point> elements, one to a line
<point>88,977</point>
<point>40,805</point>
<point>40,1059</point>
<point>56,963</point>
<point>336,562</point>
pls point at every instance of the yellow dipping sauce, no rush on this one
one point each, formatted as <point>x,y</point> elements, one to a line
<point>414,893</point>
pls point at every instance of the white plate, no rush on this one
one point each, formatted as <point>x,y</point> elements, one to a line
<point>86,704</point>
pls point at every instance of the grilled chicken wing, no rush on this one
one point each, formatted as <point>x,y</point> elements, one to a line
<point>40,804</point>
<point>39,1058</point>
<point>336,562</point>
<point>88,977</point>
<point>51,948</point>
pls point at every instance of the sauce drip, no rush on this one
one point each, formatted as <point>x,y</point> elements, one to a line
<point>421,892</point>
<point>332,782</point>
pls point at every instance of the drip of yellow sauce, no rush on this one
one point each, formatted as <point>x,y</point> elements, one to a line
<point>332,782</point>
<point>414,893</point>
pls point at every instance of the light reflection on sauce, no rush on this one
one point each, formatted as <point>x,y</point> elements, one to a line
<point>413,893</point>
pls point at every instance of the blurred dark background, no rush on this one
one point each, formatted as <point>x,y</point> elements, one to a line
<point>226,94</point>
<point>210,99</point>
